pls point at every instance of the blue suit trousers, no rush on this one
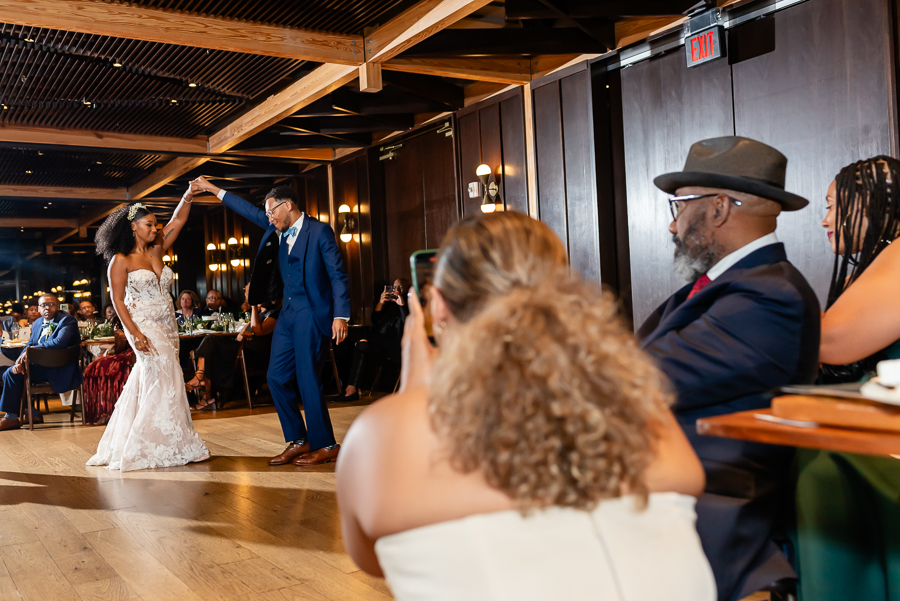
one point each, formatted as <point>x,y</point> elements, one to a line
<point>14,387</point>
<point>298,354</point>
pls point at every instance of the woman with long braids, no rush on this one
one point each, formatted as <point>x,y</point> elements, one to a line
<point>848,506</point>
<point>151,424</point>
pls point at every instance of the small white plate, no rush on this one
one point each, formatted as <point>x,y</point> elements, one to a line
<point>874,391</point>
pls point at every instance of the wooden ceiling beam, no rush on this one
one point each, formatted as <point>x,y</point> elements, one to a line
<point>163,176</point>
<point>415,24</point>
<point>407,29</point>
<point>496,70</point>
<point>49,192</point>
<point>99,139</point>
<point>38,223</point>
<point>87,220</point>
<point>122,20</point>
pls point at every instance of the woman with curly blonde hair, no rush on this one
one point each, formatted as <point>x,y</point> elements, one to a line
<point>534,455</point>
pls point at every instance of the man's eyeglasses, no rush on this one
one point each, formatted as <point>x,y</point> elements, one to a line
<point>47,305</point>
<point>676,203</point>
<point>270,213</point>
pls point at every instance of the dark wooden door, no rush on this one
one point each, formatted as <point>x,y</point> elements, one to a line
<point>420,197</point>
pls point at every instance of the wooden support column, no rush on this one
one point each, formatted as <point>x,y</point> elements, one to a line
<point>370,77</point>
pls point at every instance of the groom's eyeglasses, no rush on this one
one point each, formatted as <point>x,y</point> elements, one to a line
<point>676,203</point>
<point>271,212</point>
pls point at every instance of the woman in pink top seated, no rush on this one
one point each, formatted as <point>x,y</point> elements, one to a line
<point>534,457</point>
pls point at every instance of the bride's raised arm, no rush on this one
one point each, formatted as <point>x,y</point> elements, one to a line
<point>173,228</point>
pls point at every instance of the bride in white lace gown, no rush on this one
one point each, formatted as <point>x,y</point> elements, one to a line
<point>151,425</point>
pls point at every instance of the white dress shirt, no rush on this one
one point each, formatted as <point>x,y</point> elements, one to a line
<point>290,239</point>
<point>728,261</point>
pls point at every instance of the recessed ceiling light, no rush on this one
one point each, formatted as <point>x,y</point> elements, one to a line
<point>28,40</point>
<point>49,203</point>
<point>28,172</point>
<point>117,64</point>
<point>174,101</point>
<point>192,85</point>
<point>40,154</point>
<point>5,107</point>
<point>99,163</point>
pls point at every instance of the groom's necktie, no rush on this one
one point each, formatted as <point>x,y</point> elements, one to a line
<point>699,285</point>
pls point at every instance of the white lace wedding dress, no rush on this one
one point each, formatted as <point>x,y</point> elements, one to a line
<point>151,424</point>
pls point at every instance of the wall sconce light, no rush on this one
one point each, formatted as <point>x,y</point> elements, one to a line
<point>236,251</point>
<point>215,257</point>
<point>489,181</point>
<point>349,223</point>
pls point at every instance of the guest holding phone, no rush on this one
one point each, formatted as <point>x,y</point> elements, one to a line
<point>538,436</point>
<point>384,343</point>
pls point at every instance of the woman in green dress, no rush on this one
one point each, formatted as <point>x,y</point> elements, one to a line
<point>848,506</point>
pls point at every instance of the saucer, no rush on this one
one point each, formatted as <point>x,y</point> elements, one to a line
<point>875,391</point>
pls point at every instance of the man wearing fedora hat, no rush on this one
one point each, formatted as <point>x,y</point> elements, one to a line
<point>746,322</point>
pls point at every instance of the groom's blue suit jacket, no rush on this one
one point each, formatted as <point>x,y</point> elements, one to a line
<point>315,249</point>
<point>754,328</point>
<point>65,335</point>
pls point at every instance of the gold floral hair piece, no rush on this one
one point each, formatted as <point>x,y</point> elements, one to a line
<point>133,210</point>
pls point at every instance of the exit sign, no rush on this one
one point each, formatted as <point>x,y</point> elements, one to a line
<point>705,46</point>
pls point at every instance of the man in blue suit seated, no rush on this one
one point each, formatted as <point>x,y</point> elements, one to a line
<point>54,329</point>
<point>298,261</point>
<point>747,322</point>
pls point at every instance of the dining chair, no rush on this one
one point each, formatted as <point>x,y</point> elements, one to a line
<point>51,359</point>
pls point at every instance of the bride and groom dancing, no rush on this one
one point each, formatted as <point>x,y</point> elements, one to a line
<point>151,425</point>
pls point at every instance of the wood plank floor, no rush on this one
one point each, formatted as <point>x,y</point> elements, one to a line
<point>229,528</point>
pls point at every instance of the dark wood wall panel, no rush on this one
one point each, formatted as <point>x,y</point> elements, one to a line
<point>421,204</point>
<point>468,135</point>
<point>581,184</point>
<point>491,149</point>
<point>515,176</point>
<point>493,132</point>
<point>364,239</point>
<point>346,191</point>
<point>405,210</point>
<point>666,107</point>
<point>824,99</point>
<point>439,188</point>
<point>551,165</point>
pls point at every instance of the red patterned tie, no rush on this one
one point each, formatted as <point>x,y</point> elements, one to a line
<point>699,285</point>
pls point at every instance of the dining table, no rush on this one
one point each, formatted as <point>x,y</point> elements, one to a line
<point>761,425</point>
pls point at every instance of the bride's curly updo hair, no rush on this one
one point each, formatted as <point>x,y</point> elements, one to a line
<point>115,235</point>
<point>540,386</point>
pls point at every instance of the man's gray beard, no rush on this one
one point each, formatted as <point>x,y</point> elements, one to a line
<point>689,268</point>
<point>695,253</point>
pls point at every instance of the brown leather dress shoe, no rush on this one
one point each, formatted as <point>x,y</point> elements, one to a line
<point>9,424</point>
<point>292,450</point>
<point>318,456</point>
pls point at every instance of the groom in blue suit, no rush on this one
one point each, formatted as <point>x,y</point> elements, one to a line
<point>54,329</point>
<point>746,323</point>
<point>298,261</point>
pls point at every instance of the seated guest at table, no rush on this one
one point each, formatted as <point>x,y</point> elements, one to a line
<point>746,322</point>
<point>87,312</point>
<point>54,329</point>
<point>214,304</point>
<point>18,313</point>
<point>33,313</point>
<point>188,304</point>
<point>543,442</point>
<point>848,506</point>
<point>104,379</point>
<point>216,355</point>
<point>109,312</point>
<point>384,343</point>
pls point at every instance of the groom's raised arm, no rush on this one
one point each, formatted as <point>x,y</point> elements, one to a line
<point>235,203</point>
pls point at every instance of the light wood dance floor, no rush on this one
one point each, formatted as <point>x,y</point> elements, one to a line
<point>229,528</point>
